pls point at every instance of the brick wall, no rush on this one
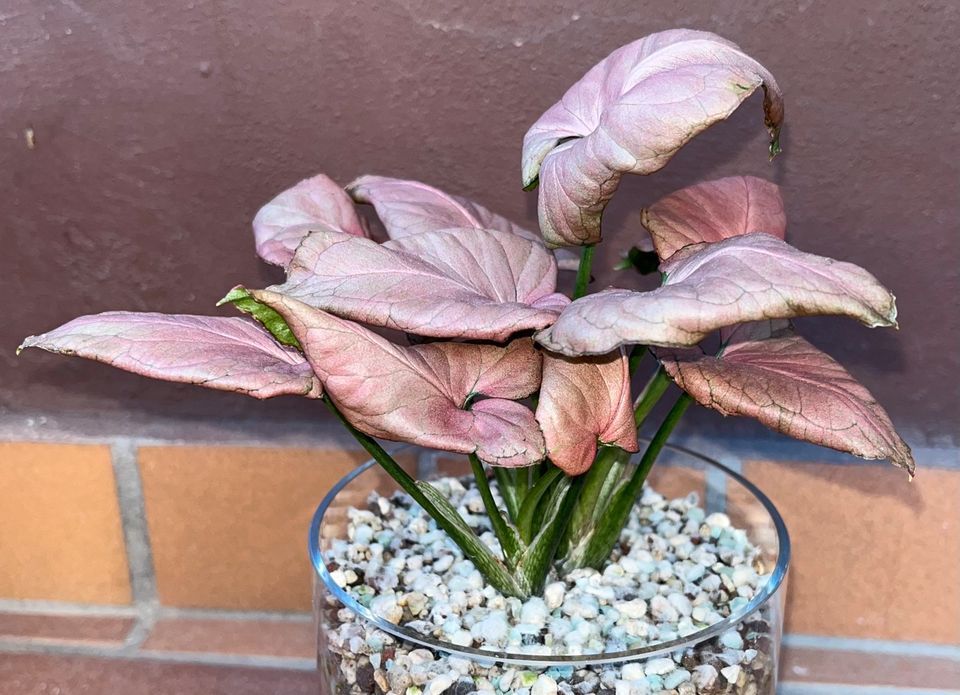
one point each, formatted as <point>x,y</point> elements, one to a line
<point>191,556</point>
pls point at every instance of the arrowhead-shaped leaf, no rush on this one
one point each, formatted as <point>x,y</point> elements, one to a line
<point>769,373</point>
<point>713,211</point>
<point>411,207</point>
<point>230,354</point>
<point>710,286</point>
<point>313,204</point>
<point>454,283</point>
<point>419,394</point>
<point>584,399</point>
<point>630,114</point>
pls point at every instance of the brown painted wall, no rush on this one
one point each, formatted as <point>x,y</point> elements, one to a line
<point>160,127</point>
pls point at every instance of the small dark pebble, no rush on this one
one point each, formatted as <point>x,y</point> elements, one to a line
<point>464,686</point>
<point>365,680</point>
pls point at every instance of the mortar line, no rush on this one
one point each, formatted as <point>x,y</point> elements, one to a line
<point>930,453</point>
<point>792,451</point>
<point>133,517</point>
<point>427,464</point>
<point>795,688</point>
<point>791,640</point>
<point>141,629</point>
<point>716,484</point>
<point>131,652</point>
<point>62,608</point>
<point>45,607</point>
<point>233,616</point>
<point>12,646</point>
<point>872,646</point>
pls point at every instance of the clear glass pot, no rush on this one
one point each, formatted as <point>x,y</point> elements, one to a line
<point>737,655</point>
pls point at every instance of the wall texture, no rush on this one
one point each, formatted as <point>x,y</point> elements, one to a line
<point>159,128</point>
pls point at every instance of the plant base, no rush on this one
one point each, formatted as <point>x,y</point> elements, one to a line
<point>682,608</point>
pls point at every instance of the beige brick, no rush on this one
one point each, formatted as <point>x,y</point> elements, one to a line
<point>874,555</point>
<point>228,525</point>
<point>60,532</point>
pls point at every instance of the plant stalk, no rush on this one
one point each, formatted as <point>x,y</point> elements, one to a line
<point>607,532</point>
<point>583,271</point>
<point>522,477</point>
<point>604,466</point>
<point>637,353</point>
<point>526,518</point>
<point>507,536</point>
<point>538,557</point>
<point>650,395</point>
<point>608,467</point>
<point>441,511</point>
<point>506,483</point>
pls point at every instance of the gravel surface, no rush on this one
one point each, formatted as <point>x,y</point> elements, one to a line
<point>677,571</point>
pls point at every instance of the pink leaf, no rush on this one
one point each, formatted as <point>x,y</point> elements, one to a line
<point>712,285</point>
<point>630,114</point>
<point>313,204</point>
<point>713,211</point>
<point>582,400</point>
<point>769,373</point>
<point>455,283</point>
<point>230,354</point>
<point>418,394</point>
<point>410,207</point>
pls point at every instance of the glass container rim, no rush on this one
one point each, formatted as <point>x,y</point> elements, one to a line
<point>768,591</point>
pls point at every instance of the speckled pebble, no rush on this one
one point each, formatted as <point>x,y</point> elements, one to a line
<point>731,639</point>
<point>731,673</point>
<point>544,685</point>
<point>675,678</point>
<point>658,667</point>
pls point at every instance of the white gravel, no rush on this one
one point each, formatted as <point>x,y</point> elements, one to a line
<point>682,571</point>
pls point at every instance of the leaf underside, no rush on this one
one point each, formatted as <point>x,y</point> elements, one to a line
<point>773,375</point>
<point>224,353</point>
<point>313,204</point>
<point>454,283</point>
<point>712,285</point>
<point>630,114</point>
<point>418,394</point>
<point>411,207</point>
<point>714,211</point>
<point>582,401</point>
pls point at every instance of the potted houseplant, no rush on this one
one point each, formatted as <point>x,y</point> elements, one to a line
<point>543,561</point>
